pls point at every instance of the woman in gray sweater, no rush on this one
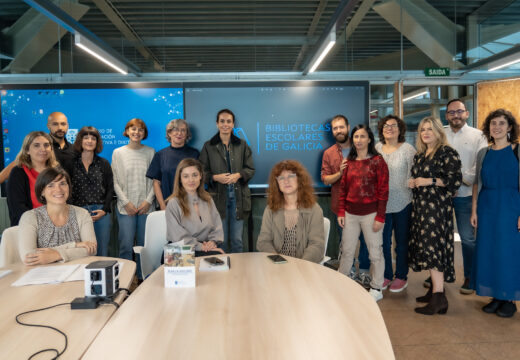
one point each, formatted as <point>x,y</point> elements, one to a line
<point>292,224</point>
<point>191,215</point>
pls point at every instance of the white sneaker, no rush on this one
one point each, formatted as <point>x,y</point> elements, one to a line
<point>376,294</point>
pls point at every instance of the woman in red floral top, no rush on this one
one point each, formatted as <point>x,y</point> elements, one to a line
<point>362,205</point>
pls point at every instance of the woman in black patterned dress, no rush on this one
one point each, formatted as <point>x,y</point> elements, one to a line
<point>436,177</point>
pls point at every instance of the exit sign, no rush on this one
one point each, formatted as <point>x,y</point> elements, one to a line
<point>443,71</point>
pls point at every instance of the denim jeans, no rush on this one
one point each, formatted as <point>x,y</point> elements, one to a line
<point>233,228</point>
<point>363,260</point>
<point>399,223</point>
<point>462,206</point>
<point>129,226</point>
<point>102,230</point>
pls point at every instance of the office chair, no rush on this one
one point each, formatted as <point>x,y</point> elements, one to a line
<point>154,241</point>
<point>326,226</point>
<point>9,247</point>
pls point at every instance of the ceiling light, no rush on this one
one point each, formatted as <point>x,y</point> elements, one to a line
<point>506,64</point>
<point>94,50</point>
<point>416,95</point>
<point>323,50</point>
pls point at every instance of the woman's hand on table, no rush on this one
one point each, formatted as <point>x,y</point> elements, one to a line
<point>89,245</point>
<point>42,256</point>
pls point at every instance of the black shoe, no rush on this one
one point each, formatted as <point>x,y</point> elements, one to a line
<point>507,309</point>
<point>437,305</point>
<point>428,282</point>
<point>493,306</point>
<point>465,289</point>
<point>426,298</point>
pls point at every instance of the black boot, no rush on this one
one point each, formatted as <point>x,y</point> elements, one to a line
<point>507,309</point>
<point>426,298</point>
<point>437,305</point>
<point>493,306</point>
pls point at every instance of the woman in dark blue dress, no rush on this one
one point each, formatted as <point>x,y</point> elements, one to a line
<point>496,215</point>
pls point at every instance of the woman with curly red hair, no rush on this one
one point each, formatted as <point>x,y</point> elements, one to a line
<point>292,223</point>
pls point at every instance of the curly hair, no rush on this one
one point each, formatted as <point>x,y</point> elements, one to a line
<point>275,198</point>
<point>178,190</point>
<point>400,124</point>
<point>511,121</point>
<point>175,123</point>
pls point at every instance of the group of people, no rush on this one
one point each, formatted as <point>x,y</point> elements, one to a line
<point>380,191</point>
<point>391,188</point>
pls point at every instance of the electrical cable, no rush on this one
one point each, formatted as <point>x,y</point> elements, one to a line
<point>58,353</point>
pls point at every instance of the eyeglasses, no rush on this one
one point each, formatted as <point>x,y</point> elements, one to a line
<point>175,129</point>
<point>288,177</point>
<point>458,112</point>
<point>390,126</point>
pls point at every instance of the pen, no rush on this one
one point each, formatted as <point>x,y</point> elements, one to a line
<point>229,263</point>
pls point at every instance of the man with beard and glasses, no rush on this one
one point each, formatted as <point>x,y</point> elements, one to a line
<point>58,126</point>
<point>467,141</point>
<point>333,165</point>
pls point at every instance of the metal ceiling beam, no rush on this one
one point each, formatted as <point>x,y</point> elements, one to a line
<point>63,19</point>
<point>310,33</point>
<point>33,35</point>
<point>129,33</point>
<point>352,25</point>
<point>425,27</point>
<point>512,53</point>
<point>338,19</point>
<point>218,41</point>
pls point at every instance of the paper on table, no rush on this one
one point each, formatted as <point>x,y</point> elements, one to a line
<point>46,275</point>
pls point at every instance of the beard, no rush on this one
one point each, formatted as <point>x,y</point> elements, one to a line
<point>341,138</point>
<point>59,134</point>
<point>457,123</point>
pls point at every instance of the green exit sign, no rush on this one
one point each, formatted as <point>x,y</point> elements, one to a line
<point>443,71</point>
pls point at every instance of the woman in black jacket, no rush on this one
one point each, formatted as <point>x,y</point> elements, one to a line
<point>35,156</point>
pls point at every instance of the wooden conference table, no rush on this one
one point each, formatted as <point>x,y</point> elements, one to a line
<point>81,326</point>
<point>257,310</point>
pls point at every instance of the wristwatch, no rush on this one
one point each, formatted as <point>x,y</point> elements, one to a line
<point>434,181</point>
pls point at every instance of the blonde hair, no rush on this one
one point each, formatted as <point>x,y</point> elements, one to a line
<point>178,190</point>
<point>437,129</point>
<point>23,157</point>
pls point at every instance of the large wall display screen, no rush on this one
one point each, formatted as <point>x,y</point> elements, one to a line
<point>278,120</point>
<point>108,109</point>
<point>289,120</point>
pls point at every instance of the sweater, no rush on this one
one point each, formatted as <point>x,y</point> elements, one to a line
<point>310,233</point>
<point>28,233</point>
<point>193,230</point>
<point>364,188</point>
<point>130,182</point>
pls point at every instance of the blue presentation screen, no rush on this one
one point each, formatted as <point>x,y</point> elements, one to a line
<point>108,110</point>
<point>278,120</point>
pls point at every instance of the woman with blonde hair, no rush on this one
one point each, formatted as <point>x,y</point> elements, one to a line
<point>191,215</point>
<point>35,156</point>
<point>292,223</point>
<point>435,178</point>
